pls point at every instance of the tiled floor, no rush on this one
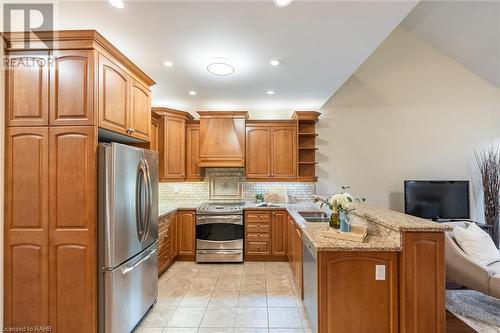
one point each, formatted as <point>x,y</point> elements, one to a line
<point>253,297</point>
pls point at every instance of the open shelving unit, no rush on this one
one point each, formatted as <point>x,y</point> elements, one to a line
<point>306,144</point>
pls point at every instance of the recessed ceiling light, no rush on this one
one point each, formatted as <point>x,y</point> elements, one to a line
<point>220,66</point>
<point>274,62</point>
<point>192,93</point>
<point>282,3</point>
<point>168,63</point>
<point>270,92</point>
<point>117,3</point>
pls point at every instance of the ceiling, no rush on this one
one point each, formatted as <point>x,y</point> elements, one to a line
<point>319,44</point>
<point>468,31</point>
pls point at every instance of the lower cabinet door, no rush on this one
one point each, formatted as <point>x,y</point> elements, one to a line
<point>358,292</point>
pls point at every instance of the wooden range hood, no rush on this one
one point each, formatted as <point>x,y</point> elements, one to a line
<point>222,139</point>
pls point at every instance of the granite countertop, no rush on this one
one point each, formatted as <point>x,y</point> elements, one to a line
<point>169,207</point>
<point>385,226</point>
<point>396,220</point>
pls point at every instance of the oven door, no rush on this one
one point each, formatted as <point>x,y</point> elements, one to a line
<point>219,232</point>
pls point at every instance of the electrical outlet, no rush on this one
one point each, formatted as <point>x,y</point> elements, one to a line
<point>380,272</point>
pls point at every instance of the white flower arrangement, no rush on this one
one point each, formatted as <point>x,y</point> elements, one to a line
<point>340,202</point>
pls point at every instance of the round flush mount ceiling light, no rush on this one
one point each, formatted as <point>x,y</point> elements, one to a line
<point>274,62</point>
<point>192,93</point>
<point>168,63</point>
<point>220,67</point>
<point>117,3</point>
<point>282,3</point>
<point>270,92</point>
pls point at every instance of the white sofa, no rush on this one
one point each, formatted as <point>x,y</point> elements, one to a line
<point>461,269</point>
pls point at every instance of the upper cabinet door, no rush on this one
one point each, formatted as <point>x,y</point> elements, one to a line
<point>174,156</point>
<point>258,152</point>
<point>284,152</point>
<point>140,111</point>
<point>114,87</point>
<point>27,83</point>
<point>156,127</point>
<point>72,87</point>
<point>193,171</point>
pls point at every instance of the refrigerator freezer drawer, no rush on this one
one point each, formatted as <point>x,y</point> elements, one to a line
<point>130,290</point>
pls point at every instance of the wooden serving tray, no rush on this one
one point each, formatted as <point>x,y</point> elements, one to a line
<point>357,234</point>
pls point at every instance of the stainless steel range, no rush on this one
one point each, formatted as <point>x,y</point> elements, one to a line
<point>219,232</point>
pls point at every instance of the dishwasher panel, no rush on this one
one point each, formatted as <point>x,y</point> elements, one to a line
<point>310,267</point>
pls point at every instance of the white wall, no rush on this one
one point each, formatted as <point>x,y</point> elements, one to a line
<point>409,112</point>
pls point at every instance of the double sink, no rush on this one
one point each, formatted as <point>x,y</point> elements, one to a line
<point>314,216</point>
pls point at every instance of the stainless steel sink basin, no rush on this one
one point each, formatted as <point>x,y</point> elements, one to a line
<point>314,216</point>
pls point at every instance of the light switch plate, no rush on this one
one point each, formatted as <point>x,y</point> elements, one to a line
<point>380,272</point>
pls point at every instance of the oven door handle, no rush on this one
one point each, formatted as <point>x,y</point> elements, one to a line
<point>219,252</point>
<point>218,217</point>
<point>226,241</point>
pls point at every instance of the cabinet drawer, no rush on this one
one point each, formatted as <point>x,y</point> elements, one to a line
<point>163,223</point>
<point>262,217</point>
<point>258,247</point>
<point>257,236</point>
<point>257,227</point>
<point>164,256</point>
<point>163,237</point>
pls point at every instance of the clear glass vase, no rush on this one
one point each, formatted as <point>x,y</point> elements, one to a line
<point>345,221</point>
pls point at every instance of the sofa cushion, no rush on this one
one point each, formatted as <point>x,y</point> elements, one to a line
<point>477,244</point>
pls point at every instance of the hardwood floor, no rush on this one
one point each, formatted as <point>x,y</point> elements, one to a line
<point>455,325</point>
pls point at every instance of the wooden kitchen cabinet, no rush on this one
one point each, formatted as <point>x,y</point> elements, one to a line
<point>258,152</point>
<point>284,152</point>
<point>257,235</point>
<point>26,254</point>
<point>186,224</point>
<point>271,150</point>
<point>140,111</point>
<point>351,298</point>
<point>279,233</point>
<point>72,79</point>
<point>73,248</point>
<point>167,242</point>
<point>113,96</point>
<point>174,151</point>
<point>156,132</point>
<point>27,89</point>
<point>193,170</point>
<point>172,143</point>
<point>124,103</point>
<point>54,112</point>
<point>222,138</point>
<point>422,283</point>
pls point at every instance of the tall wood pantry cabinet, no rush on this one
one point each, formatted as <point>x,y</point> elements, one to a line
<point>58,101</point>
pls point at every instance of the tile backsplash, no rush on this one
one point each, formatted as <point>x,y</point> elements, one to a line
<point>200,191</point>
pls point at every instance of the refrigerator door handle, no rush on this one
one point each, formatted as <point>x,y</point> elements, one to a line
<point>132,267</point>
<point>140,210</point>
<point>149,200</point>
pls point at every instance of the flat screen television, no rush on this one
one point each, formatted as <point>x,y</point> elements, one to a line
<point>437,199</point>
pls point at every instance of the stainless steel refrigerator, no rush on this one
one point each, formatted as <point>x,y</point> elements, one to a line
<point>128,235</point>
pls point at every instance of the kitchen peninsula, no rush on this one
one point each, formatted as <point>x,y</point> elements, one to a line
<point>392,282</point>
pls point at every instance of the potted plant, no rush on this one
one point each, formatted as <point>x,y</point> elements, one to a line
<point>341,205</point>
<point>259,197</point>
<point>488,162</point>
